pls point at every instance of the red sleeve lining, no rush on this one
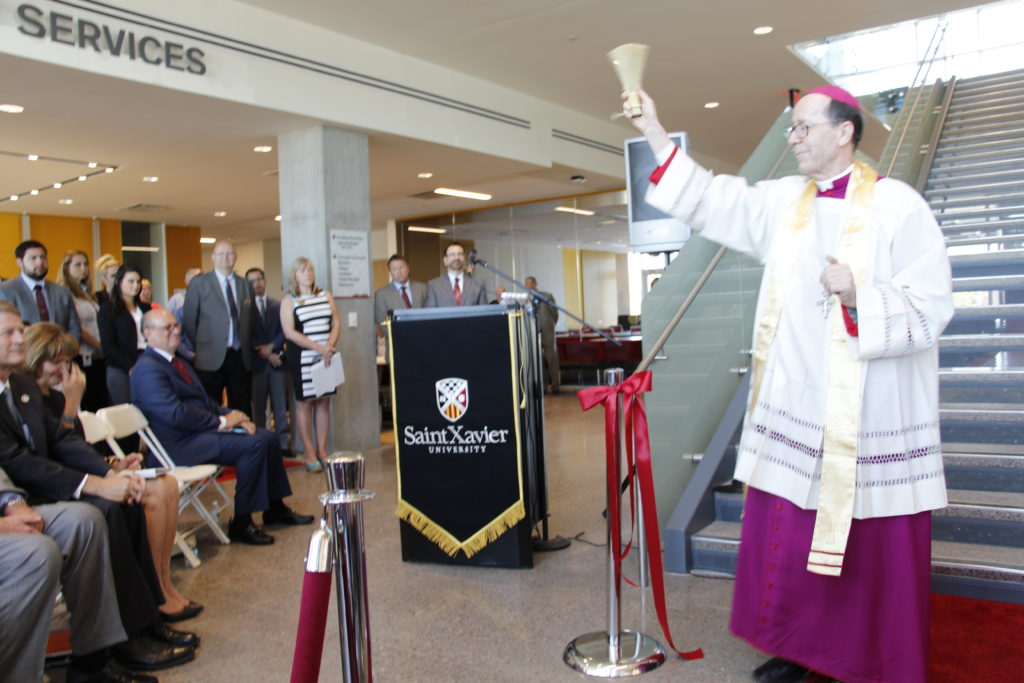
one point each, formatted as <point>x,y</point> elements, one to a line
<point>852,328</point>
<point>655,177</point>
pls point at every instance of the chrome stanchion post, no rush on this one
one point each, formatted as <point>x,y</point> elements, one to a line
<point>616,652</point>
<point>346,475</point>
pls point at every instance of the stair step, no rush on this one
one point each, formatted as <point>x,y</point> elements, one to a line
<point>954,242</point>
<point>965,101</point>
<point>959,178</point>
<point>971,342</point>
<point>989,81</point>
<point>1007,110</point>
<point>1010,186</point>
<point>987,283</point>
<point>979,124</point>
<point>1000,255</point>
<point>960,167</point>
<point>994,311</point>
<point>975,453</point>
<point>982,412</point>
<point>974,215</point>
<point>977,375</point>
<point>992,150</point>
<point>990,562</point>
<point>952,140</point>
<point>1009,198</point>
<point>1001,226</point>
<point>984,472</point>
<point>983,517</point>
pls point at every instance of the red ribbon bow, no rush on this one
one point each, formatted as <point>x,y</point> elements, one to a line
<point>636,431</point>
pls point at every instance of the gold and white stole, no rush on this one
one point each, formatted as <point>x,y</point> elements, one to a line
<point>843,389</point>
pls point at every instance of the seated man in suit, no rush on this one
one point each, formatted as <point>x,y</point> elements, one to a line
<point>195,430</point>
<point>53,464</point>
<point>38,299</point>
<point>44,549</point>
<point>456,287</point>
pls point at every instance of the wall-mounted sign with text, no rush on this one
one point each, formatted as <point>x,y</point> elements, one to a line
<point>84,34</point>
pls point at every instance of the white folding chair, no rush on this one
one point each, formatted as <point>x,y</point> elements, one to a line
<point>124,420</point>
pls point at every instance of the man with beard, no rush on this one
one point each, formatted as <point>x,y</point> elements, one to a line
<point>37,299</point>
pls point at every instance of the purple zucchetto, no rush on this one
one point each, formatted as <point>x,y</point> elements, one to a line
<point>836,93</point>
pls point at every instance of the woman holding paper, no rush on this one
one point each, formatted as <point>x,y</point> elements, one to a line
<point>311,326</point>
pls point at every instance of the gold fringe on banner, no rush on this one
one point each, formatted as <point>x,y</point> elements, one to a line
<point>451,545</point>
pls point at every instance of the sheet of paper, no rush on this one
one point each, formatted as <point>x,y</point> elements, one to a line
<point>327,377</point>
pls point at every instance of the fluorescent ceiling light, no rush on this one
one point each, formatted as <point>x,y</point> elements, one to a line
<point>66,202</point>
<point>263,149</point>
<point>220,214</point>
<point>34,192</point>
<point>93,164</point>
<point>277,218</point>
<point>83,178</point>
<point>108,169</point>
<point>207,240</point>
<point>763,30</point>
<point>424,175</point>
<point>465,194</point>
<point>578,212</point>
<point>423,228</point>
<point>150,179</point>
<point>711,105</point>
<point>14,197</point>
<point>57,186</point>
<point>151,249</point>
<point>33,157</point>
<point>11,108</point>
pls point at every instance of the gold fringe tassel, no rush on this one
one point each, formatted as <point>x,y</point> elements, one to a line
<point>451,545</point>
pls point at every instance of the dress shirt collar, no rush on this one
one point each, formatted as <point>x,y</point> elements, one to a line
<point>462,278</point>
<point>398,286</point>
<point>30,283</point>
<point>836,185</point>
<point>169,357</point>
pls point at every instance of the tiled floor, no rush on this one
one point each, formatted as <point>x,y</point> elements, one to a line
<point>440,623</point>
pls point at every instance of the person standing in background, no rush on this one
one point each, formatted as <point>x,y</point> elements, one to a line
<point>74,275</point>
<point>120,323</point>
<point>312,327</point>
<point>106,270</point>
<point>546,316</point>
<point>36,297</point>
<point>269,375</point>
<point>455,287</point>
<point>218,320</point>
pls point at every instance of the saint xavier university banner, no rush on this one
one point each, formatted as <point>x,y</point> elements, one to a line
<point>456,402</point>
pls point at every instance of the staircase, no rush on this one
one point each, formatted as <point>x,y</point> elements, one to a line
<point>976,188</point>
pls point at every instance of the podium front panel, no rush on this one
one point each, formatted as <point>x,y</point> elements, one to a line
<point>457,405</point>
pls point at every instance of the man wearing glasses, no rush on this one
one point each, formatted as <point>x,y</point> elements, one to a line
<point>840,448</point>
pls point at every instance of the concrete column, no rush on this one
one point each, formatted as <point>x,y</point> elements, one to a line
<point>324,181</point>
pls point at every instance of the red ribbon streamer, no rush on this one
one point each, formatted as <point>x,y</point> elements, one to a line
<point>636,430</point>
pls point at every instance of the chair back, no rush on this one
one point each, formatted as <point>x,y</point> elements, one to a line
<point>125,420</point>
<point>94,427</point>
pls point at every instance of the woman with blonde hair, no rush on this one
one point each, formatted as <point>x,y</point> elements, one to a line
<point>48,353</point>
<point>74,275</point>
<point>106,269</point>
<point>311,325</point>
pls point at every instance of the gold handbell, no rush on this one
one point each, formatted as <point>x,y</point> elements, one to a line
<point>629,61</point>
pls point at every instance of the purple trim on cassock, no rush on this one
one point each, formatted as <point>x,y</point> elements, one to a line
<point>869,625</point>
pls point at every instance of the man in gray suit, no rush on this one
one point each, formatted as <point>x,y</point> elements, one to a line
<point>456,287</point>
<point>546,316</point>
<point>44,549</point>
<point>218,319</point>
<point>400,293</point>
<point>37,298</point>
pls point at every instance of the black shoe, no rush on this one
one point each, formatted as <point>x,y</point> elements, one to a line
<point>163,633</point>
<point>145,654</point>
<point>187,612</point>
<point>777,670</point>
<point>111,673</point>
<point>286,516</point>
<point>249,533</point>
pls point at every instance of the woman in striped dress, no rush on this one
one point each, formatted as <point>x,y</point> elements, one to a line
<point>311,326</point>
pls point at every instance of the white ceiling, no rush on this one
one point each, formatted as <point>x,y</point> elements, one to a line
<point>201,148</point>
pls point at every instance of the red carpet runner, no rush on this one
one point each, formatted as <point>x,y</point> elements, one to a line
<point>976,640</point>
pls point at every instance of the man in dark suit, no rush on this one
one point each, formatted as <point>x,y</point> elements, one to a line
<point>269,375</point>
<point>217,317</point>
<point>456,287</point>
<point>44,549</point>
<point>400,293</point>
<point>54,464</point>
<point>546,316</point>
<point>195,430</point>
<point>37,298</point>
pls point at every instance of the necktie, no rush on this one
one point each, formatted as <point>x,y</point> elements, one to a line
<point>405,298</point>
<point>180,367</point>
<point>18,419</point>
<point>263,308</point>
<point>44,312</point>
<point>233,310</point>
<point>457,292</point>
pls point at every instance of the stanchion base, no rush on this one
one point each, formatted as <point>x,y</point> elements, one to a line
<point>542,545</point>
<point>638,653</point>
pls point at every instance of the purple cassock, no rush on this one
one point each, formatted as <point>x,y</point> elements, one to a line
<point>869,625</point>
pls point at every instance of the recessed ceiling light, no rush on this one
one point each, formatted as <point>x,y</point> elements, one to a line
<point>34,192</point>
<point>33,157</point>
<point>11,108</point>
<point>14,197</point>
<point>66,201</point>
<point>578,212</point>
<point>207,240</point>
<point>763,30</point>
<point>57,186</point>
<point>465,194</point>
<point>83,178</point>
<point>93,164</point>
<point>108,169</point>
<point>711,105</point>
<point>150,179</point>
<point>277,218</point>
<point>422,228</point>
<point>263,149</point>
<point>220,214</point>
<point>425,175</point>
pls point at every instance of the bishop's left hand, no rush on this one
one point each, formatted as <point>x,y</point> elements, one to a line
<point>837,278</point>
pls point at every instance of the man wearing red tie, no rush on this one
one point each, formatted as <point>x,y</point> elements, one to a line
<point>456,287</point>
<point>400,293</point>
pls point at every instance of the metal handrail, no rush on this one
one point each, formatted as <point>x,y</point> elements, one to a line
<point>933,143</point>
<point>937,37</point>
